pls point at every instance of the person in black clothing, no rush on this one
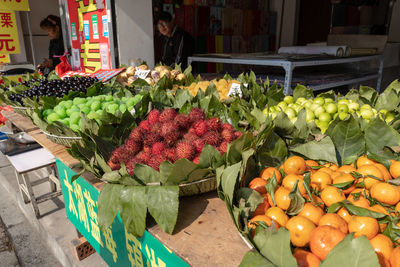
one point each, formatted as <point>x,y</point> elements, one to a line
<point>52,26</point>
<point>178,45</point>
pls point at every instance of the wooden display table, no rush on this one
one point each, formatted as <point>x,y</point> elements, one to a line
<point>204,234</point>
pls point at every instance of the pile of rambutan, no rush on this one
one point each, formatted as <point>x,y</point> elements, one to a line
<point>169,135</point>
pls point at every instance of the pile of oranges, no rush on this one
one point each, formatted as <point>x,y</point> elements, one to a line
<point>313,231</point>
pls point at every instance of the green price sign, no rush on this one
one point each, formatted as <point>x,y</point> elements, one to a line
<point>115,245</point>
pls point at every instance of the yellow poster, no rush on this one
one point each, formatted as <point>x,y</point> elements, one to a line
<point>18,5</point>
<point>9,42</point>
<point>4,58</point>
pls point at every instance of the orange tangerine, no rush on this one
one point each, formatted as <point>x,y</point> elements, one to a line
<point>323,239</point>
<point>360,202</point>
<point>320,180</point>
<point>395,169</point>
<point>331,195</point>
<point>395,257</point>
<point>258,184</point>
<point>262,208</point>
<point>347,169</point>
<point>385,193</point>
<point>384,171</point>
<point>277,215</point>
<point>382,245</point>
<point>334,220</point>
<point>312,212</point>
<point>305,258</point>
<point>268,172</point>
<point>282,198</point>
<point>345,178</point>
<point>290,180</point>
<point>294,165</point>
<point>363,226</point>
<point>327,170</point>
<point>344,214</point>
<point>363,160</point>
<point>300,229</point>
<point>370,170</point>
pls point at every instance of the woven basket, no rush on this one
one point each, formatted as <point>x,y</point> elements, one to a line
<point>63,140</point>
<point>21,110</point>
<point>198,187</point>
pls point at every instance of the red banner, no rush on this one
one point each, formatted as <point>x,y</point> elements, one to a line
<point>89,35</point>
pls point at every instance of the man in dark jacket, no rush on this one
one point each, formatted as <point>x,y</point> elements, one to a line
<point>178,45</point>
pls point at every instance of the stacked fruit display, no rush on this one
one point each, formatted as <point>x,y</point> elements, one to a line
<point>168,135</point>
<point>223,86</point>
<point>57,88</point>
<point>69,112</point>
<point>130,75</point>
<point>361,198</point>
<point>324,110</point>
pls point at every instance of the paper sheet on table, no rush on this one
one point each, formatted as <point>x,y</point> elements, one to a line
<point>338,51</point>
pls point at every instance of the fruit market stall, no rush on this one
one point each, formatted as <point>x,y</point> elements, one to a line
<point>150,153</point>
<point>203,225</point>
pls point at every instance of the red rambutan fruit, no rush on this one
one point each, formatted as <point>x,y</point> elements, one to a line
<point>214,124</point>
<point>182,121</point>
<point>167,115</point>
<point>200,128</point>
<point>132,146</point>
<point>130,166</point>
<point>168,128</point>
<point>223,146</point>
<point>227,135</point>
<point>198,144</point>
<point>227,126</point>
<point>196,114</point>
<point>156,128</point>
<point>150,139</point>
<point>238,134</point>
<point>185,150</point>
<point>137,134</point>
<point>147,149</point>
<point>157,148</point>
<point>155,161</point>
<point>191,130</point>
<point>116,155</point>
<point>153,117</point>
<point>143,157</point>
<point>114,166</point>
<point>145,125</point>
<point>170,154</point>
<point>212,138</point>
<point>190,137</point>
<point>196,159</point>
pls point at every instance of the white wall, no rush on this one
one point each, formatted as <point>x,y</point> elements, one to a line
<point>135,30</point>
<point>394,30</point>
<point>289,21</point>
<point>39,10</point>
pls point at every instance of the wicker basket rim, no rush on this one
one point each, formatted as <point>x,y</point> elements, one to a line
<point>63,137</point>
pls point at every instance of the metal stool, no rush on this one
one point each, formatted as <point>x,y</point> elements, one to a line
<point>30,161</point>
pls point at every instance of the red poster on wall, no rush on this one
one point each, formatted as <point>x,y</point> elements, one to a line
<point>90,35</point>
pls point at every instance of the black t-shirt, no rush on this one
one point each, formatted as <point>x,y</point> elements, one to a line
<point>56,48</point>
<point>177,48</point>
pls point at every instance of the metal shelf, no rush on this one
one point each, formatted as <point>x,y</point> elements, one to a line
<point>289,64</point>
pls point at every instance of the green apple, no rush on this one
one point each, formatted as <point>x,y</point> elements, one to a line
<point>366,106</point>
<point>61,111</point>
<point>75,117</point>
<point>315,106</point>
<point>93,115</point>
<point>343,108</point>
<point>266,112</point>
<point>131,102</point>
<point>343,101</point>
<point>291,113</point>
<point>328,100</point>
<point>112,108</point>
<point>288,99</point>
<point>389,116</point>
<point>383,111</point>
<point>109,98</point>
<point>366,113</point>
<point>307,104</point>
<point>331,108</point>
<point>353,106</point>
<point>310,115</point>
<point>325,117</point>
<point>319,100</point>
<point>53,117</point>
<point>343,115</point>
<point>65,121</point>
<point>96,105</point>
<point>319,111</point>
<point>296,107</point>
<point>85,109</point>
<point>47,112</point>
<point>72,110</point>
<point>301,100</point>
<point>79,100</point>
<point>74,127</point>
<point>122,108</point>
<point>282,105</point>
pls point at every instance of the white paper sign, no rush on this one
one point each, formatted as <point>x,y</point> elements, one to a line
<point>104,56</point>
<point>76,58</point>
<point>235,90</point>
<point>142,74</point>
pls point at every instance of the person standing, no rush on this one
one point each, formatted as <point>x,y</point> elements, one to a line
<point>52,26</point>
<point>178,44</point>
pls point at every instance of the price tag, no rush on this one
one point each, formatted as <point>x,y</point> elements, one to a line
<point>235,90</point>
<point>142,74</point>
